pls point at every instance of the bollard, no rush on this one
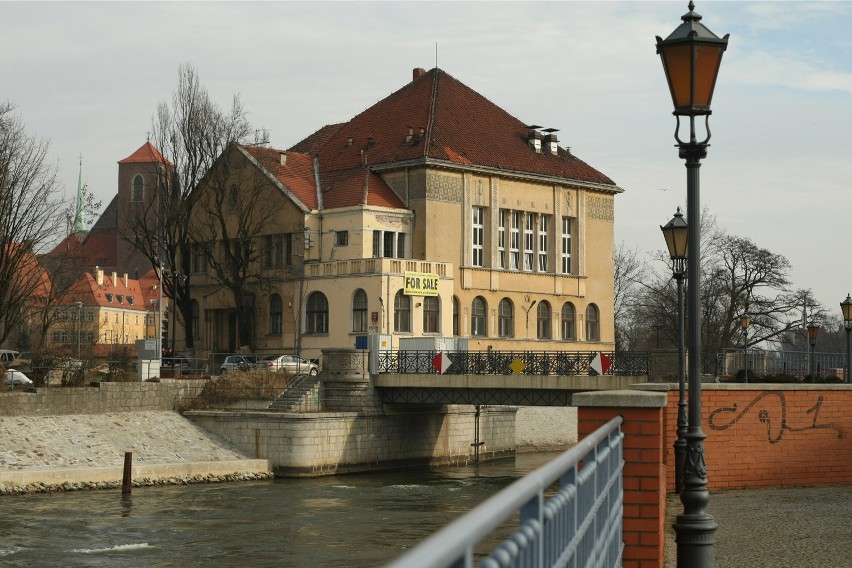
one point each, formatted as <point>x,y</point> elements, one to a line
<point>126,482</point>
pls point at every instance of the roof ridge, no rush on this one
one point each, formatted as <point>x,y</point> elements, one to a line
<point>432,104</point>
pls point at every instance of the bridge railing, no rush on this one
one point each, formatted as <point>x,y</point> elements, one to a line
<point>624,363</point>
<point>579,525</point>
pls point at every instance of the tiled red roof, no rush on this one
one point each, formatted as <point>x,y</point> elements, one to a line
<point>146,154</point>
<point>88,292</point>
<point>437,117</point>
<point>312,143</point>
<point>297,173</point>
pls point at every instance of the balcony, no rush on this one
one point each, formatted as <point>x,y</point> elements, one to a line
<point>363,266</point>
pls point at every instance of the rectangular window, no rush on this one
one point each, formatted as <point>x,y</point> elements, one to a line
<point>542,243</point>
<point>400,245</point>
<point>389,243</point>
<point>197,259</point>
<point>515,242</point>
<point>279,250</point>
<point>377,244</point>
<point>529,241</point>
<point>478,236</point>
<point>501,239</point>
<point>341,238</point>
<point>566,245</point>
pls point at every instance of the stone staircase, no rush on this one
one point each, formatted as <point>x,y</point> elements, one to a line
<point>302,395</point>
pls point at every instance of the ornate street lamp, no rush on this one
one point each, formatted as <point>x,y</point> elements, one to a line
<point>676,232</point>
<point>813,331</point>
<point>691,56</point>
<point>745,320</point>
<point>846,308</point>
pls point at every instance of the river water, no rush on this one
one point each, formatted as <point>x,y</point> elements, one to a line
<point>346,521</point>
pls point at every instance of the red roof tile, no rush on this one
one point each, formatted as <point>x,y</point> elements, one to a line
<point>447,121</point>
<point>297,173</point>
<point>146,154</point>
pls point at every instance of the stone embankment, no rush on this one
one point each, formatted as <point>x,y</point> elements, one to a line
<point>86,451</point>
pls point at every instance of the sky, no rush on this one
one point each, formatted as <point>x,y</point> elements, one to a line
<point>88,77</point>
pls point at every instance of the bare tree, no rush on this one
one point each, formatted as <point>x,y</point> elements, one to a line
<point>630,269</point>
<point>232,216</point>
<point>30,217</point>
<point>191,132</point>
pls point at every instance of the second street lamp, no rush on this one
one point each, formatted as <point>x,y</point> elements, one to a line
<point>691,56</point>
<point>675,232</point>
<point>745,320</point>
<point>846,308</point>
<point>813,331</point>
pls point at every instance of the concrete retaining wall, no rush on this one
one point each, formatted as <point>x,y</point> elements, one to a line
<point>100,398</point>
<point>338,442</point>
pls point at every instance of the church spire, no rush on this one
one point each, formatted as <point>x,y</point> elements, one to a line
<point>79,214</point>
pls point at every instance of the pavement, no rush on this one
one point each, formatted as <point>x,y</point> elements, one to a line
<point>91,447</point>
<point>798,527</point>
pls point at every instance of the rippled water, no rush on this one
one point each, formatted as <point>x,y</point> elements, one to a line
<point>352,520</point>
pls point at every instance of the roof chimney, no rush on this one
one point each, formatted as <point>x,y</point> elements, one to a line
<point>99,276</point>
<point>550,143</point>
<point>534,138</point>
<point>282,158</point>
<point>115,279</point>
<point>417,73</point>
<point>410,135</point>
<point>125,280</point>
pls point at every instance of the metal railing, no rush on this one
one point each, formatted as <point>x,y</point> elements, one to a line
<point>793,363</point>
<point>580,525</point>
<point>501,362</point>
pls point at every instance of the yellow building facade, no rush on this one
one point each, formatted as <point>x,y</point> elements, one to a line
<point>473,226</point>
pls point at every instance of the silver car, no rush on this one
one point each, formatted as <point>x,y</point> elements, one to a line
<point>238,363</point>
<point>291,364</point>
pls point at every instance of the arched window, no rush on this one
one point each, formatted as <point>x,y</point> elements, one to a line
<point>593,324</point>
<point>477,317</point>
<point>431,314</point>
<point>456,328</point>
<point>195,322</point>
<point>544,323</point>
<point>359,311</point>
<point>506,318</point>
<point>317,313</point>
<point>138,193</point>
<point>401,312</point>
<point>568,317</point>
<point>276,311</point>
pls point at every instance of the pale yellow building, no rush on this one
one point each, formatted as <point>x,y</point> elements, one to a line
<point>503,237</point>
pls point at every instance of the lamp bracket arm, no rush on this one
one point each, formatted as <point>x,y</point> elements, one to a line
<point>692,138</point>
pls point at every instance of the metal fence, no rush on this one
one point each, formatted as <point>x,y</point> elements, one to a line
<point>580,525</point>
<point>502,362</point>
<point>793,363</point>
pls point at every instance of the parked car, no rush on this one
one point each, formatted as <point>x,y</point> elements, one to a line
<point>292,364</point>
<point>15,377</point>
<point>182,363</point>
<point>7,356</point>
<point>238,363</point>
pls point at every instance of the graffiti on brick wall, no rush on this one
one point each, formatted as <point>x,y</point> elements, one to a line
<point>724,417</point>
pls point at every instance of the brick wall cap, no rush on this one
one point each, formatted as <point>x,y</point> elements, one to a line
<point>746,387</point>
<point>620,399</point>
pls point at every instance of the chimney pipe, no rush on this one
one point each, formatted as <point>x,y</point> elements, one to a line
<point>417,73</point>
<point>99,276</point>
<point>282,158</point>
<point>115,279</point>
<point>534,138</point>
<point>125,280</point>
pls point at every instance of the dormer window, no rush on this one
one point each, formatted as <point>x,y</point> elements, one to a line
<point>130,300</point>
<point>109,298</point>
<point>120,299</point>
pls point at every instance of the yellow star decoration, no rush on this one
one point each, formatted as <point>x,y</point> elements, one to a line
<point>517,366</point>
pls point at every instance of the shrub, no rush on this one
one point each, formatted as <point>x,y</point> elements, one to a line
<point>234,387</point>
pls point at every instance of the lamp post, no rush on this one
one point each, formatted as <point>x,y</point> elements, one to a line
<point>813,331</point>
<point>675,233</point>
<point>691,56</point>
<point>846,308</point>
<point>79,324</point>
<point>745,320</point>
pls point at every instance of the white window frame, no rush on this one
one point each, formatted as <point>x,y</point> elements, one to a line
<point>542,243</point>
<point>478,236</point>
<point>501,238</point>
<point>529,241</point>
<point>566,245</point>
<point>515,242</point>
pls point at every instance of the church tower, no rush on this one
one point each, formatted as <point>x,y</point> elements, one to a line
<point>139,177</point>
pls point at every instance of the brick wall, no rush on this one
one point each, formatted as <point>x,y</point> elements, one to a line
<point>644,470</point>
<point>100,398</point>
<point>765,435</point>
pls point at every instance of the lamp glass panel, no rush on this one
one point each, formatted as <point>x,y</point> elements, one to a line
<point>677,61</point>
<point>846,307</point>
<point>707,60</point>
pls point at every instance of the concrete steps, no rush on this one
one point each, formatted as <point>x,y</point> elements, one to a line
<point>302,395</point>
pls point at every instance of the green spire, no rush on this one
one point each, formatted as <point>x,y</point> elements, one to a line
<point>79,215</point>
